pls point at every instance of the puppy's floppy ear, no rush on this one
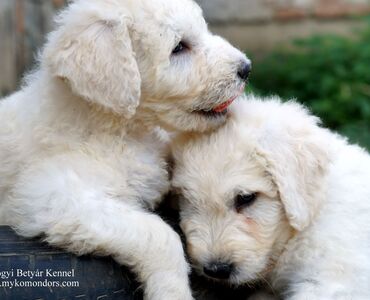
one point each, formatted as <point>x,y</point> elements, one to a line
<point>296,156</point>
<point>92,52</point>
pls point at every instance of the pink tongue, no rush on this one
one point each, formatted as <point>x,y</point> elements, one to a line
<point>223,106</point>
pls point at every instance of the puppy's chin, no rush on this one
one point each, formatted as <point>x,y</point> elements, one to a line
<point>195,121</point>
<point>247,278</point>
<point>203,119</point>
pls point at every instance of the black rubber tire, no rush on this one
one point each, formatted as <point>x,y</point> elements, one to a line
<point>98,278</point>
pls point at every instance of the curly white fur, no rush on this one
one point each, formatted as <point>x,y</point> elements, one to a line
<point>81,160</point>
<point>307,234</point>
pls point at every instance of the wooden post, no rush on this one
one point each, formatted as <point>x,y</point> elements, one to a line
<point>19,37</point>
<point>23,26</point>
<point>8,74</point>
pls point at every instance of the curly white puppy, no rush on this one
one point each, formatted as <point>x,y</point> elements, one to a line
<point>271,196</point>
<point>80,160</point>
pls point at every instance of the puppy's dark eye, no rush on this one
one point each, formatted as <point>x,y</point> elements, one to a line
<point>244,200</point>
<point>181,47</point>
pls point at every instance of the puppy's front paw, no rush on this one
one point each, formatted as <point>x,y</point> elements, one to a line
<point>168,286</point>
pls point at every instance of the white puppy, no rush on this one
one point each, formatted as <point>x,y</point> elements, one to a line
<point>271,196</point>
<point>80,160</point>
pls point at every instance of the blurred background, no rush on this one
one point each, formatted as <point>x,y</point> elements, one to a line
<point>316,51</point>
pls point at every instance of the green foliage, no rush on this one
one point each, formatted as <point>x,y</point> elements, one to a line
<point>330,74</point>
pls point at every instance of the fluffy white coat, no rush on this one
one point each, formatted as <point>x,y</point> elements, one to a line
<point>307,231</point>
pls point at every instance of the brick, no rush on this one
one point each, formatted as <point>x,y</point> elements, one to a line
<point>338,10</point>
<point>286,14</point>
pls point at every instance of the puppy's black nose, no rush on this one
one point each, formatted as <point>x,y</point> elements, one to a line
<point>218,270</point>
<point>244,70</point>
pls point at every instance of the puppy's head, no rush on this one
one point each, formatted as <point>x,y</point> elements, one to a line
<point>157,54</point>
<point>247,188</point>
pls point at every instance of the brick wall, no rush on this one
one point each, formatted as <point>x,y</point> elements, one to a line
<point>259,25</point>
<point>252,11</point>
